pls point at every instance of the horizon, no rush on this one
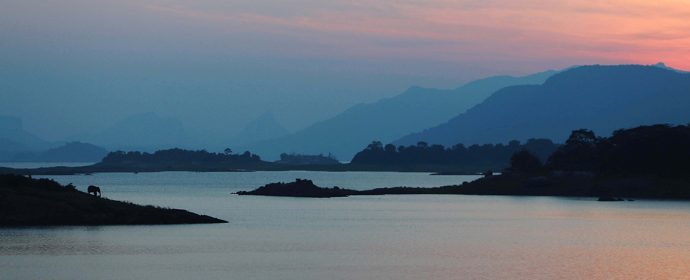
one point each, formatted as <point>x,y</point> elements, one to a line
<point>77,151</point>
<point>270,115</point>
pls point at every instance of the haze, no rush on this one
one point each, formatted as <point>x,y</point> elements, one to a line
<point>71,68</point>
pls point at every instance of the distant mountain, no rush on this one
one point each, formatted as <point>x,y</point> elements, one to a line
<point>388,119</point>
<point>264,127</point>
<point>69,152</point>
<point>663,66</point>
<point>147,131</point>
<point>14,139</point>
<point>603,98</point>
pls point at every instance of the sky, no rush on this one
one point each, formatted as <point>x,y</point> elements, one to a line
<point>74,67</point>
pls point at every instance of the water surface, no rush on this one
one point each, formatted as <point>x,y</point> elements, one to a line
<point>370,237</point>
<point>42,164</point>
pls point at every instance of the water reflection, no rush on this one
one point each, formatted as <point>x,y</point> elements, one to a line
<point>379,237</point>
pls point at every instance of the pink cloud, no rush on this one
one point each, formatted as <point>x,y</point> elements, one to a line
<point>620,30</point>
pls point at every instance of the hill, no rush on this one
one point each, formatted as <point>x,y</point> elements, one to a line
<point>69,152</point>
<point>648,162</point>
<point>31,202</point>
<point>147,131</point>
<point>177,160</point>
<point>603,98</point>
<point>298,188</point>
<point>14,139</point>
<point>644,162</point>
<point>264,127</point>
<point>388,119</point>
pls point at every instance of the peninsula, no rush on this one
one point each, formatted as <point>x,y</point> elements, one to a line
<point>25,201</point>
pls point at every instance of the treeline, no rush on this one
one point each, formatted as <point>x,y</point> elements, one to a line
<point>650,162</point>
<point>642,162</point>
<point>180,156</point>
<point>299,159</point>
<point>657,150</point>
<point>488,155</point>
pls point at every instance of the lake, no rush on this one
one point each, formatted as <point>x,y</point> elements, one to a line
<point>367,237</point>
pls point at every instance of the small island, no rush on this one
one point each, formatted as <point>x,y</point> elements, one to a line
<point>25,201</point>
<point>298,188</point>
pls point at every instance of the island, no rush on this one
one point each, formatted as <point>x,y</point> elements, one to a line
<point>26,201</point>
<point>298,188</point>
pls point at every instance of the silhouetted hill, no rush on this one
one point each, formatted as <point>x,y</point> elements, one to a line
<point>264,127</point>
<point>178,160</point>
<point>30,202</point>
<point>602,98</point>
<point>161,160</point>
<point>69,152</point>
<point>657,150</point>
<point>644,162</point>
<point>663,66</point>
<point>298,188</point>
<point>14,139</point>
<point>147,131</point>
<point>388,119</point>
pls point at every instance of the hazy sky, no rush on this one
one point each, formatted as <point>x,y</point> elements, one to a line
<point>70,67</point>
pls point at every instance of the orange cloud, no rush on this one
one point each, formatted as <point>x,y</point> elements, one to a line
<point>625,31</point>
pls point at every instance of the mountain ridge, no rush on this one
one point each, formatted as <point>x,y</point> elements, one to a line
<point>387,119</point>
<point>602,97</point>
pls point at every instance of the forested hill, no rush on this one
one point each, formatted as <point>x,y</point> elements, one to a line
<point>600,98</point>
<point>388,119</point>
<point>180,159</point>
<point>475,157</point>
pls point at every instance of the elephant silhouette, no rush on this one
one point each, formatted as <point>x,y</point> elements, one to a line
<point>94,190</point>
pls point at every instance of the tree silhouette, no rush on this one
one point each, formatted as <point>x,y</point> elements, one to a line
<point>487,156</point>
<point>656,150</point>
<point>525,162</point>
<point>578,154</point>
<point>582,137</point>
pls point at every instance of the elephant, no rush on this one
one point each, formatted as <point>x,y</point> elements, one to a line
<point>95,190</point>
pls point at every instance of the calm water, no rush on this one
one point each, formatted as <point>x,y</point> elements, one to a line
<point>41,164</point>
<point>377,237</point>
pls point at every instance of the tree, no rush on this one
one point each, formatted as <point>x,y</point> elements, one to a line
<point>578,154</point>
<point>390,148</point>
<point>375,145</point>
<point>583,137</point>
<point>525,162</point>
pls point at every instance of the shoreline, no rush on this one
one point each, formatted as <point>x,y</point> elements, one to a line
<point>605,189</point>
